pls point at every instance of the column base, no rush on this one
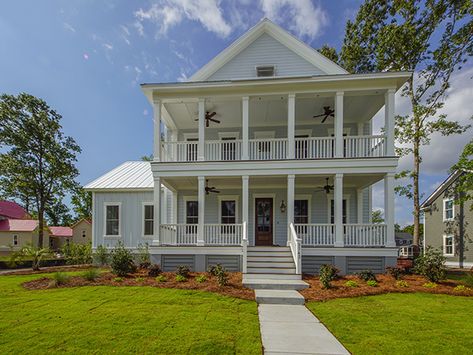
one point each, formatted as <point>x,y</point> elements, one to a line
<point>390,245</point>
<point>338,244</point>
<point>200,243</point>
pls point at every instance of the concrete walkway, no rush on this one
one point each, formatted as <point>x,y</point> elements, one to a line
<point>293,329</point>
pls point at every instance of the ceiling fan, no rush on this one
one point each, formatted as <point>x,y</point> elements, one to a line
<point>328,112</point>
<point>209,189</point>
<point>209,117</point>
<point>327,187</point>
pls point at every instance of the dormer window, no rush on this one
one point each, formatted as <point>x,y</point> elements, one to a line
<point>265,70</point>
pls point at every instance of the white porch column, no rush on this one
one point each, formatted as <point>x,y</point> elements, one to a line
<point>389,209</point>
<point>359,207</point>
<point>245,128</point>
<point>291,125</point>
<point>290,201</point>
<point>201,217</point>
<point>157,211</point>
<point>201,144</point>
<point>338,210</point>
<point>157,130</point>
<point>173,137</point>
<point>389,121</point>
<point>338,129</point>
<point>245,198</point>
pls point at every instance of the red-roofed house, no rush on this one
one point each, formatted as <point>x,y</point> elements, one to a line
<point>10,209</point>
<point>16,233</point>
<point>82,232</point>
<point>58,236</point>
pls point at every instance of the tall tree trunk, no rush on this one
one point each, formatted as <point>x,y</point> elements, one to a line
<point>40,227</point>
<point>415,188</point>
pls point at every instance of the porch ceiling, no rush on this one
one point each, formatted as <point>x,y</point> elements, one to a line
<point>271,110</point>
<point>272,182</point>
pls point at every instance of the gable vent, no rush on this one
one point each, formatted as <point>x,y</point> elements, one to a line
<point>265,70</point>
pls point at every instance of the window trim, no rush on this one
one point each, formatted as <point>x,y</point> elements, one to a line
<point>184,214</point>
<point>264,134</point>
<point>235,135</point>
<point>307,197</point>
<point>444,245</point>
<point>235,198</point>
<point>444,210</point>
<point>143,207</point>
<point>330,197</point>
<point>113,236</point>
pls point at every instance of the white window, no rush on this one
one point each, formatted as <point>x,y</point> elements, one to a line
<point>448,245</point>
<point>228,211</point>
<point>448,209</point>
<point>192,212</point>
<point>265,70</point>
<point>148,220</point>
<point>112,220</point>
<point>15,239</point>
<point>301,211</point>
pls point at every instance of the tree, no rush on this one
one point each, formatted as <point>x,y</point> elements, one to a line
<point>464,185</point>
<point>82,204</point>
<point>432,38</point>
<point>30,252</point>
<point>57,213</point>
<point>37,159</point>
<point>377,216</point>
<point>147,157</point>
<point>329,52</point>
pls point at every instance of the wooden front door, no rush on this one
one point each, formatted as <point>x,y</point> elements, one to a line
<point>264,221</point>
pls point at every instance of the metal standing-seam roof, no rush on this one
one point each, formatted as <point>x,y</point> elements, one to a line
<point>131,175</point>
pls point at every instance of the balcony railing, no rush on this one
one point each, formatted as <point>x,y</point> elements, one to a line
<point>179,234</point>
<point>275,149</point>
<point>365,235</point>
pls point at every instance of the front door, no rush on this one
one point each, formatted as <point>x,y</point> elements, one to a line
<point>264,221</point>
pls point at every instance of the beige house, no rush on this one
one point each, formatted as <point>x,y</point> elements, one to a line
<point>82,232</point>
<point>17,233</point>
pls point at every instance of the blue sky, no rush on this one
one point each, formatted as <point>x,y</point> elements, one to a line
<point>87,58</point>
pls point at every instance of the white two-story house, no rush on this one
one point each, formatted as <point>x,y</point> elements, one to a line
<point>263,161</point>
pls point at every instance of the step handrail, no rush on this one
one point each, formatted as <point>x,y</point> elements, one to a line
<point>244,244</point>
<point>296,249</point>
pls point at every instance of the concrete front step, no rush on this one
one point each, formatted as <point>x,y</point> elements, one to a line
<point>270,270</point>
<point>270,264</point>
<point>250,249</point>
<point>279,259</point>
<point>291,297</point>
<point>269,254</point>
<point>273,276</point>
<point>270,284</point>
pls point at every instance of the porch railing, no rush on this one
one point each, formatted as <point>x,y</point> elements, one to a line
<point>180,151</point>
<point>316,234</point>
<point>296,250</point>
<point>225,150</point>
<point>314,147</point>
<point>365,235</point>
<point>364,146</point>
<point>223,234</point>
<point>178,234</point>
<point>268,149</point>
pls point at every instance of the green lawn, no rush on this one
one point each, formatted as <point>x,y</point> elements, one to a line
<point>400,323</point>
<point>123,320</point>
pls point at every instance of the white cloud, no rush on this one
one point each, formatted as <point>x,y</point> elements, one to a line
<point>166,14</point>
<point>139,28</point>
<point>69,27</point>
<point>182,76</point>
<point>302,16</point>
<point>107,46</point>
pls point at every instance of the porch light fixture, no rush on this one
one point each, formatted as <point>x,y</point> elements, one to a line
<point>282,206</point>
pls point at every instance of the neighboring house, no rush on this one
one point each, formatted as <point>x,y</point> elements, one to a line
<point>403,239</point>
<point>9,209</point>
<point>449,226</point>
<point>82,232</point>
<point>17,233</point>
<point>264,161</point>
<point>59,236</point>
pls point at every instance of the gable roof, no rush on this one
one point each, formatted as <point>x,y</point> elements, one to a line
<point>18,225</point>
<point>86,220</point>
<point>60,231</point>
<point>440,189</point>
<point>131,175</point>
<point>273,30</point>
<point>11,209</point>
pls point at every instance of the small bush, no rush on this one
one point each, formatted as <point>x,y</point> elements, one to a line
<point>183,270</point>
<point>144,259</point>
<point>372,283</point>
<point>351,283</point>
<point>402,283</point>
<point>469,278</point>
<point>461,288</point>
<point>161,278</point>
<point>118,279</point>
<point>431,265</point>
<point>180,278</point>
<point>77,254</point>
<point>139,279</point>
<point>222,278</point>
<point>154,270</point>
<point>430,285</point>
<point>327,274</point>
<point>101,255</point>
<point>366,275</point>
<point>91,274</point>
<point>396,272</point>
<point>122,260</point>
<point>60,278</point>
<point>214,269</point>
<point>201,278</point>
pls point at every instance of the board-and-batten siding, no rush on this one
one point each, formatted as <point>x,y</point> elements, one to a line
<point>265,50</point>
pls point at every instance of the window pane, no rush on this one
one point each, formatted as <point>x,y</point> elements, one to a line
<point>112,227</point>
<point>112,212</point>
<point>192,212</point>
<point>149,212</point>
<point>149,227</point>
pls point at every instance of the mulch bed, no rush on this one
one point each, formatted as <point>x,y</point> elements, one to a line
<point>234,288</point>
<point>386,284</point>
<point>49,269</point>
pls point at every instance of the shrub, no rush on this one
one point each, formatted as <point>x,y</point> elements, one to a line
<point>154,270</point>
<point>469,278</point>
<point>77,254</point>
<point>431,265</point>
<point>222,278</point>
<point>372,283</point>
<point>366,275</point>
<point>201,278</point>
<point>139,279</point>
<point>461,288</point>
<point>60,278</point>
<point>351,283</point>
<point>122,260</point>
<point>91,274</point>
<point>118,279</point>
<point>180,278</point>
<point>396,272</point>
<point>327,274</point>
<point>161,278</point>
<point>101,255</point>
<point>144,259</point>
<point>183,270</point>
<point>30,252</point>
<point>402,283</point>
<point>214,269</point>
<point>430,285</point>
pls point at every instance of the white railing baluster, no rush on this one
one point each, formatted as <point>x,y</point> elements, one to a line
<point>365,235</point>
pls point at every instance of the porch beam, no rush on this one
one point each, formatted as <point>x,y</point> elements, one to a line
<point>157,211</point>
<point>157,105</point>
<point>291,125</point>
<point>389,209</point>
<point>201,143</point>
<point>338,124</point>
<point>338,210</point>
<point>245,128</point>
<point>389,121</point>
<point>290,202</point>
<point>201,216</point>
